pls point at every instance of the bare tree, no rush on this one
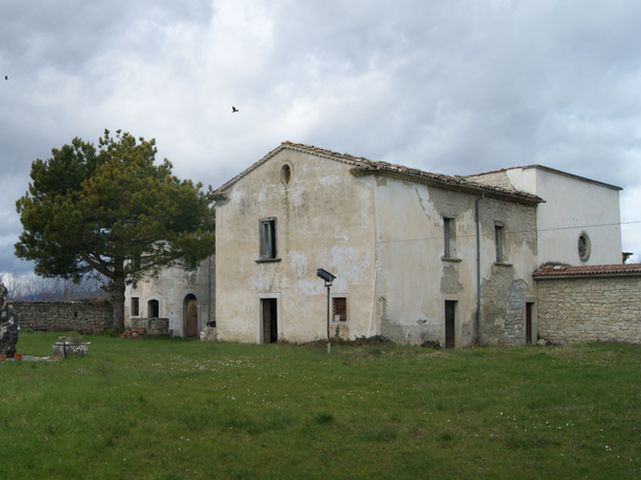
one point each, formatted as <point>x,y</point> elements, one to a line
<point>35,288</point>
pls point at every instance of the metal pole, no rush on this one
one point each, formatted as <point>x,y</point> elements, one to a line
<point>477,319</point>
<point>329,343</point>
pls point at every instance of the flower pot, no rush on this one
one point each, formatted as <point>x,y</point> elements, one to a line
<point>17,356</point>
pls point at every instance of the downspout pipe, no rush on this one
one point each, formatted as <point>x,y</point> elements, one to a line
<point>209,275</point>
<point>477,320</point>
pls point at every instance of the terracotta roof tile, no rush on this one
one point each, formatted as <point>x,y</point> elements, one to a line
<point>557,270</point>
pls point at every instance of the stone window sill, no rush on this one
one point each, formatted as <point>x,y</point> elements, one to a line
<point>451,259</point>
<point>268,260</point>
<point>503,264</point>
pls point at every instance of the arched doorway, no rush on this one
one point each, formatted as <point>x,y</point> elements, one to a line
<point>190,316</point>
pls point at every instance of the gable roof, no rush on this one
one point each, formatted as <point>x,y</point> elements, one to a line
<point>565,271</point>
<point>362,166</point>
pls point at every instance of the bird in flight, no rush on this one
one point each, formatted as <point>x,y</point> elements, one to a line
<point>233,109</point>
<point>6,77</point>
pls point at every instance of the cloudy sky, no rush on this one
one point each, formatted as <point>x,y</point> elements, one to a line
<point>452,86</point>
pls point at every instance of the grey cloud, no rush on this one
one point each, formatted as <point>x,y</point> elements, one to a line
<point>453,86</point>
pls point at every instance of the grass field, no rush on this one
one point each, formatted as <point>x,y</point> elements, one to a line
<point>175,409</point>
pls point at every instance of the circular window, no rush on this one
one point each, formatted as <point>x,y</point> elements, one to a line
<point>583,246</point>
<point>285,174</point>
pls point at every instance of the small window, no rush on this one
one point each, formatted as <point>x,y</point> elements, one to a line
<point>339,309</point>
<point>583,246</point>
<point>135,306</point>
<point>449,234</point>
<point>285,174</point>
<point>267,238</point>
<point>498,238</point>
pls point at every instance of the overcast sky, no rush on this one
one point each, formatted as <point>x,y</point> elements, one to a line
<point>449,86</point>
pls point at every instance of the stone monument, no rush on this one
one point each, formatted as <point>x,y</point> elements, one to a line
<point>8,325</point>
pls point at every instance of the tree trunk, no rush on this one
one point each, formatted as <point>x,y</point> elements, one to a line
<point>118,302</point>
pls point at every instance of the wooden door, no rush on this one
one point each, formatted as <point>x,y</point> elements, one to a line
<point>191,318</point>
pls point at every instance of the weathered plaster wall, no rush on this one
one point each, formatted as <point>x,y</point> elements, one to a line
<point>84,317</point>
<point>324,219</point>
<point>414,279</point>
<point>606,309</point>
<point>506,286</point>
<point>170,288</point>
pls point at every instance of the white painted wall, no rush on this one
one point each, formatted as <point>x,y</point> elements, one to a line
<point>572,205</point>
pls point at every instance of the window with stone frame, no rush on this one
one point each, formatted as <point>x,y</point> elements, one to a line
<point>339,309</point>
<point>449,236</point>
<point>267,235</point>
<point>499,238</point>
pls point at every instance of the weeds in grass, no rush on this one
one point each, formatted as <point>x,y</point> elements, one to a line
<point>324,418</point>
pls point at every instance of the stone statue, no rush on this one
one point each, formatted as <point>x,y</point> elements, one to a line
<point>8,325</point>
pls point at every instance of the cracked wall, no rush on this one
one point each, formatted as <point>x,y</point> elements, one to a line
<point>415,278</point>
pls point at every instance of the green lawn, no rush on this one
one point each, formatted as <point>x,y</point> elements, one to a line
<point>174,409</point>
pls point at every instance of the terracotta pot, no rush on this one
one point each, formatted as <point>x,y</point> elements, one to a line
<point>17,356</point>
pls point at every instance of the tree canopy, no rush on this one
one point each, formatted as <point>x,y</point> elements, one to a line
<point>111,210</point>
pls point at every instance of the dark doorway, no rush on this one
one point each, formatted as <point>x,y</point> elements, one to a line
<point>450,312</point>
<point>528,323</point>
<point>190,316</point>
<point>269,314</point>
<point>153,309</point>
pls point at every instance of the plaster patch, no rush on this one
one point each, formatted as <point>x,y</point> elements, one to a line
<point>347,258</point>
<point>329,180</point>
<point>298,262</point>
<point>297,198</point>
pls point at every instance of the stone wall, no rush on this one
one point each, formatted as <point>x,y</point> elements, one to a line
<point>84,317</point>
<point>606,309</point>
<point>152,326</point>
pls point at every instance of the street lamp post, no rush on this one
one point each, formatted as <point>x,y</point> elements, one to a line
<point>328,278</point>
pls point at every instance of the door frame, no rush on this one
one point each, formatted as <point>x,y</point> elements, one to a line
<point>259,317</point>
<point>186,300</point>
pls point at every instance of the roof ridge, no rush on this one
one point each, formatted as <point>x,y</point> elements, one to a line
<point>364,166</point>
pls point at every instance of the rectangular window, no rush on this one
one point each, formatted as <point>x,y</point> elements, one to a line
<point>267,238</point>
<point>339,309</point>
<point>135,306</point>
<point>449,233</point>
<point>499,240</point>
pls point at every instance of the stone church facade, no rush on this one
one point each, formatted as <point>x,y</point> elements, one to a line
<point>418,257</point>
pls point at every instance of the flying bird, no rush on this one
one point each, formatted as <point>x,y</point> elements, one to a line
<point>6,77</point>
<point>233,109</point>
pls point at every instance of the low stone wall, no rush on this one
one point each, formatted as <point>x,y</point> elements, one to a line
<point>576,309</point>
<point>152,326</point>
<point>83,317</point>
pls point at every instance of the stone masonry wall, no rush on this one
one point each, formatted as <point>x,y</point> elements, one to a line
<point>84,317</point>
<point>606,309</point>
